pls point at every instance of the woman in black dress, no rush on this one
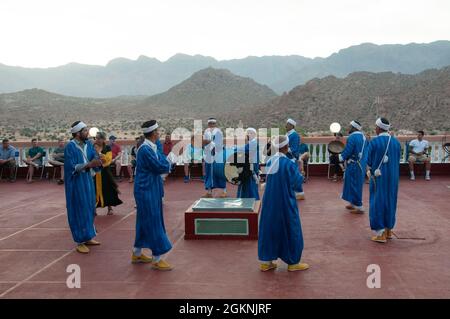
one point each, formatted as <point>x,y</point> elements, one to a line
<point>106,188</point>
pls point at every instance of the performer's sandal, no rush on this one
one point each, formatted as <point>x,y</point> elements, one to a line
<point>356,211</point>
<point>161,265</point>
<point>223,195</point>
<point>298,267</point>
<point>267,267</point>
<point>389,233</point>
<point>350,207</point>
<point>82,249</point>
<point>140,259</point>
<point>380,238</point>
<point>207,195</point>
<point>92,242</point>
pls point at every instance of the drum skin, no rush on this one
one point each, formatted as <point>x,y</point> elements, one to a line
<point>336,147</point>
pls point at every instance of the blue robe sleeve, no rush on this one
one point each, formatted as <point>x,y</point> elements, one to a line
<point>295,178</point>
<point>294,144</point>
<point>349,148</point>
<point>71,165</point>
<point>158,165</point>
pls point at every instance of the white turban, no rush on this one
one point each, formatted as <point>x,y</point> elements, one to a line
<point>276,140</point>
<point>212,120</point>
<point>382,125</point>
<point>77,128</point>
<point>291,121</point>
<point>150,129</point>
<point>356,125</point>
<point>251,130</point>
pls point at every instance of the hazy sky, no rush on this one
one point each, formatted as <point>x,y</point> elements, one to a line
<point>42,33</point>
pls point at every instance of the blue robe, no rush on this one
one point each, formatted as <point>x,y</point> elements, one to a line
<point>280,231</point>
<point>249,189</point>
<point>215,162</point>
<point>294,144</point>
<point>355,173</point>
<point>160,153</point>
<point>150,229</point>
<point>80,191</point>
<point>384,188</point>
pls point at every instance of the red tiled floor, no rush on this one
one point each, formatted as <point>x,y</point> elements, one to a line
<point>39,249</point>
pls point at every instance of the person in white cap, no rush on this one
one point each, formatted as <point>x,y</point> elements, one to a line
<point>280,231</point>
<point>80,162</point>
<point>294,147</point>
<point>383,161</point>
<point>214,160</point>
<point>150,229</point>
<point>355,154</point>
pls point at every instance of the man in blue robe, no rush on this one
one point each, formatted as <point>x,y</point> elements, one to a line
<point>80,160</point>
<point>280,231</point>
<point>294,148</point>
<point>249,188</point>
<point>214,160</point>
<point>383,161</point>
<point>150,229</point>
<point>355,154</point>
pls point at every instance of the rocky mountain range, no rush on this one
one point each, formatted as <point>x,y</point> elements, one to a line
<point>410,102</point>
<point>149,76</point>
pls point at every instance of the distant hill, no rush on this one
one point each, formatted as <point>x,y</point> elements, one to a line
<point>210,92</point>
<point>410,102</point>
<point>149,76</point>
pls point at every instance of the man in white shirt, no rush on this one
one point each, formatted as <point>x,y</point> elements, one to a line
<point>418,151</point>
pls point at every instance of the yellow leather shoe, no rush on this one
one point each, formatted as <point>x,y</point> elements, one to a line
<point>300,196</point>
<point>389,233</point>
<point>380,239</point>
<point>161,265</point>
<point>266,267</point>
<point>356,211</point>
<point>140,259</point>
<point>298,267</point>
<point>82,249</point>
<point>350,207</point>
<point>223,195</point>
<point>207,195</point>
<point>92,242</point>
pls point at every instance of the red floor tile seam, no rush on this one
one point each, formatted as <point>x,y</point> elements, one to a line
<point>59,258</point>
<point>30,227</point>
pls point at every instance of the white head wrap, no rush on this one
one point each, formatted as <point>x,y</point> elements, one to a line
<point>150,129</point>
<point>291,121</point>
<point>77,128</point>
<point>276,139</point>
<point>382,125</point>
<point>251,130</point>
<point>212,120</point>
<point>356,125</point>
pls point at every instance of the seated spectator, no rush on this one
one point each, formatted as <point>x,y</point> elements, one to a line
<point>192,154</point>
<point>167,146</point>
<point>304,156</point>
<point>34,158</point>
<point>418,152</point>
<point>338,167</point>
<point>117,155</point>
<point>57,159</point>
<point>132,162</point>
<point>7,159</point>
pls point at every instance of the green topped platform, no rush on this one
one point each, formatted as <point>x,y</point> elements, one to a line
<point>224,205</point>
